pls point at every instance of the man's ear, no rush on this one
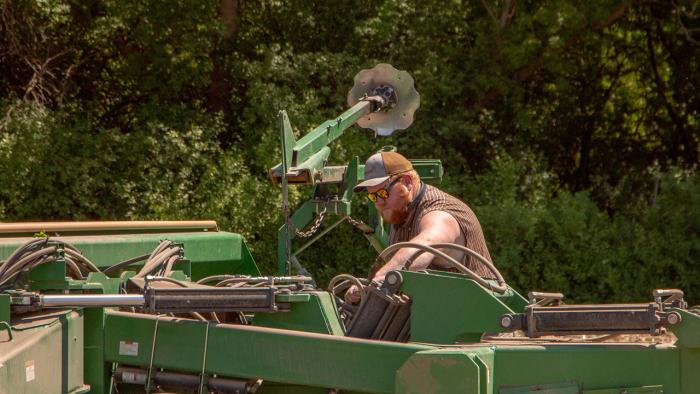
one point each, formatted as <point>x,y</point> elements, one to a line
<point>408,182</point>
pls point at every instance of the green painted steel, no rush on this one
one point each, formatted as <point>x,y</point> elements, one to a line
<point>688,332</point>
<point>45,355</point>
<point>282,356</point>
<point>591,366</point>
<point>553,388</point>
<point>211,253</point>
<point>304,350</point>
<point>97,372</point>
<point>287,140</point>
<point>628,390</point>
<point>327,132</point>
<point>318,314</point>
<point>441,371</point>
<point>349,176</point>
<point>449,308</point>
<point>4,307</point>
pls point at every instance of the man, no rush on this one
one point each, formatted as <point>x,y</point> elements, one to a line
<point>419,213</point>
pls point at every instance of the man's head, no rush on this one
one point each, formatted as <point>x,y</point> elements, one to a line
<point>390,182</point>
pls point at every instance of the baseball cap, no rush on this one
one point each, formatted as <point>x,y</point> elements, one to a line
<point>381,166</point>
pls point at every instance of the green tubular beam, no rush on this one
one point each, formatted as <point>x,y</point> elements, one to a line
<point>283,356</point>
<point>327,132</point>
<point>311,151</point>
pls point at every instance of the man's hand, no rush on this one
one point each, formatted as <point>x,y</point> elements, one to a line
<point>352,295</point>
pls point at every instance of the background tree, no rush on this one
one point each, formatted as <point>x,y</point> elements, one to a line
<point>571,127</point>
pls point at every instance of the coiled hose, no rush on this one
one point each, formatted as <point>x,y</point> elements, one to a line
<point>41,251</point>
<point>162,259</point>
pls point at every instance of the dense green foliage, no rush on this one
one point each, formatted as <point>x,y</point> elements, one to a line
<point>570,127</point>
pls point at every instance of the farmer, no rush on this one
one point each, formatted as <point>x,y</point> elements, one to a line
<point>419,213</point>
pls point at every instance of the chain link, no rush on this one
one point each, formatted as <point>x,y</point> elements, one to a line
<point>359,224</point>
<point>355,222</point>
<point>312,230</point>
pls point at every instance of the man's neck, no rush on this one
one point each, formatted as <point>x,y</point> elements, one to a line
<point>416,195</point>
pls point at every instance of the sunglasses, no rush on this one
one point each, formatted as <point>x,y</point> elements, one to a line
<point>382,193</point>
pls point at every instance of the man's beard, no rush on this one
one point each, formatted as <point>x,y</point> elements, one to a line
<point>397,216</point>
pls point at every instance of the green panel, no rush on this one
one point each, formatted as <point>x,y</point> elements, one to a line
<point>556,388</point>
<point>449,308</point>
<point>592,366</point>
<point>49,276</point>
<point>45,356</point>
<point>276,388</point>
<point>106,285</point>
<point>628,390</point>
<point>690,365</point>
<point>287,140</point>
<point>318,315</point>
<point>283,356</point>
<point>211,253</point>
<point>300,218</point>
<point>688,332</point>
<point>96,370</point>
<point>441,371</point>
<point>4,308</point>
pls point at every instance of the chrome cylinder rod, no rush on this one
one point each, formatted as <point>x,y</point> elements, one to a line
<point>90,300</point>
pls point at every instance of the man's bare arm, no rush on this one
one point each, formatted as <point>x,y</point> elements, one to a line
<point>435,227</point>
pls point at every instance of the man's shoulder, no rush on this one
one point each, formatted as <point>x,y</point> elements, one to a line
<point>437,197</point>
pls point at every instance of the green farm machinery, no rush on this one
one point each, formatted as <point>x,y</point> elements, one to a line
<point>181,307</point>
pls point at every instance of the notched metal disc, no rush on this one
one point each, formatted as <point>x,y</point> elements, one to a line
<point>408,100</point>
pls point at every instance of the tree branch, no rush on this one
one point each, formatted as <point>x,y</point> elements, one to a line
<point>525,73</point>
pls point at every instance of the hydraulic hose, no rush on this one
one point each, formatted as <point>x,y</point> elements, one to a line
<point>500,288</point>
<point>41,251</point>
<point>125,263</point>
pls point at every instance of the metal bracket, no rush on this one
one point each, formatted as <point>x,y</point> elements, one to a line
<point>669,298</point>
<point>6,326</point>
<point>545,299</point>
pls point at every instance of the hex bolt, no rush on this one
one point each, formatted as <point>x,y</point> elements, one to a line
<point>506,321</point>
<point>393,278</point>
<point>673,318</point>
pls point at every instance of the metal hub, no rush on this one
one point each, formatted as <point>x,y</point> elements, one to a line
<point>396,88</point>
<point>388,94</point>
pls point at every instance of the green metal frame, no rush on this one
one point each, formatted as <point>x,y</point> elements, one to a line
<point>429,170</point>
<point>304,162</point>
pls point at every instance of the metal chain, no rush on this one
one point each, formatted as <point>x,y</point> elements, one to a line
<point>359,224</point>
<point>312,230</point>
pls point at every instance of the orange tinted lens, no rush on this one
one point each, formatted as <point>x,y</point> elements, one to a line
<point>383,194</point>
<point>372,197</point>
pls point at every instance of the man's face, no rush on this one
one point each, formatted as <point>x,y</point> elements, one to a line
<point>394,209</point>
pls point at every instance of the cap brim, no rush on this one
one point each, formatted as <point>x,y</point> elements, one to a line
<point>370,183</point>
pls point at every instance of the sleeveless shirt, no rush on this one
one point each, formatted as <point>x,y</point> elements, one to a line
<point>434,199</point>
